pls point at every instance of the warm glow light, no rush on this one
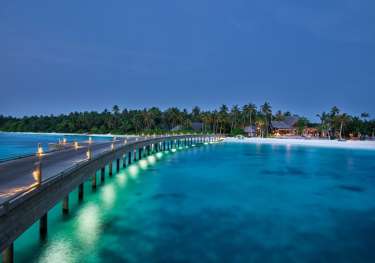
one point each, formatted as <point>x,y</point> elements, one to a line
<point>37,176</point>
<point>112,146</point>
<point>64,140</point>
<point>76,145</point>
<point>89,154</point>
<point>40,150</point>
<point>90,140</point>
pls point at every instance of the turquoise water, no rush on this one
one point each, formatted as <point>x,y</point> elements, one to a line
<point>18,144</point>
<point>221,203</point>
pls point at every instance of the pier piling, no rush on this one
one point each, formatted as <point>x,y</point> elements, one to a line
<point>8,254</point>
<point>80,192</point>
<point>110,168</point>
<point>102,175</point>
<point>93,182</point>
<point>43,227</point>
<point>65,207</point>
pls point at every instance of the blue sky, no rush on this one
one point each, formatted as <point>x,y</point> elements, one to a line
<point>302,56</point>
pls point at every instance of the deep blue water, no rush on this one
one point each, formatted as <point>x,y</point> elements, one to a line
<point>19,144</point>
<point>221,203</point>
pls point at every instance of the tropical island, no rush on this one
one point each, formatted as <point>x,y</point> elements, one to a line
<point>248,120</point>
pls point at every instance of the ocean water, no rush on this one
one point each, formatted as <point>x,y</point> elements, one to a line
<point>221,203</point>
<point>13,145</point>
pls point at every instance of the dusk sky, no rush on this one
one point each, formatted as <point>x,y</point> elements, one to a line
<point>302,56</point>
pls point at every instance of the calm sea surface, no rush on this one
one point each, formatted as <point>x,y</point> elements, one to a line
<point>221,203</point>
<point>19,144</point>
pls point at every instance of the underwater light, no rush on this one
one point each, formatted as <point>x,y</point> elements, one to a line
<point>133,170</point>
<point>151,159</point>
<point>143,164</point>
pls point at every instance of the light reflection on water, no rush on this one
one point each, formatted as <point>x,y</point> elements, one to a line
<point>88,224</point>
<point>133,170</point>
<point>226,203</point>
<point>151,159</point>
<point>58,250</point>
<point>108,195</point>
<point>143,164</point>
<point>122,178</point>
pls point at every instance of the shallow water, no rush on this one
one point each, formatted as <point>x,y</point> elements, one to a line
<point>13,145</point>
<point>221,203</point>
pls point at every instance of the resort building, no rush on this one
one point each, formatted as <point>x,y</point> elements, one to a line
<point>197,126</point>
<point>250,131</point>
<point>286,127</point>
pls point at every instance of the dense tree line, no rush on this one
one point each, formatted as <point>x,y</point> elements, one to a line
<point>223,120</point>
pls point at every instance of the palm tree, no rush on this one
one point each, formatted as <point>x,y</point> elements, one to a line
<point>343,119</point>
<point>260,122</point>
<point>335,111</point>
<point>223,117</point>
<point>248,111</point>
<point>365,115</point>
<point>196,111</point>
<point>148,119</point>
<point>324,122</point>
<point>215,120</point>
<point>267,111</point>
<point>234,113</point>
<point>115,109</point>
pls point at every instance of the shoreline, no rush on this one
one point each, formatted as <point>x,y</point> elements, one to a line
<point>71,134</point>
<point>349,144</point>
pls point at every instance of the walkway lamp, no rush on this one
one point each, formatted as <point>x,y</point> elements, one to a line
<point>76,146</point>
<point>64,140</point>
<point>37,173</point>
<point>89,153</point>
<point>112,146</point>
<point>39,150</point>
<point>90,140</point>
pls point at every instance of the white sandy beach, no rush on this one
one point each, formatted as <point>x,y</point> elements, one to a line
<point>368,145</point>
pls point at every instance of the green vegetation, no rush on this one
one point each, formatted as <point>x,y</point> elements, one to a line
<point>223,120</point>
